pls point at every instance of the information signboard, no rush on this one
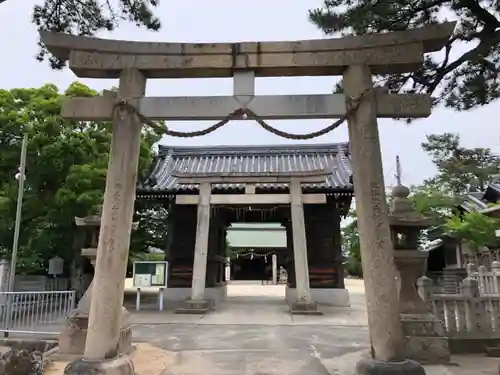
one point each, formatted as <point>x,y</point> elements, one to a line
<point>150,274</point>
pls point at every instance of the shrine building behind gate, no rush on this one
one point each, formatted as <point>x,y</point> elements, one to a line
<point>324,205</point>
<point>255,249</point>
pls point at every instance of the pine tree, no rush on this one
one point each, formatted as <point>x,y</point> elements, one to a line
<point>463,76</point>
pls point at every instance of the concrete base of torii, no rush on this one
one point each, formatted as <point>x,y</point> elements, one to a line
<point>371,366</point>
<point>333,297</point>
<point>196,306</point>
<point>304,308</point>
<point>117,366</point>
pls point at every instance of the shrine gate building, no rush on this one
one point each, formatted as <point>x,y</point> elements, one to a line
<point>256,249</point>
<point>324,205</point>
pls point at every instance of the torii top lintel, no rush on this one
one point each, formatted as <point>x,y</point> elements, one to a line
<point>394,52</point>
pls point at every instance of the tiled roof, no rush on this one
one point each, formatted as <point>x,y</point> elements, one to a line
<point>480,200</point>
<point>473,201</point>
<point>275,158</point>
<point>492,192</point>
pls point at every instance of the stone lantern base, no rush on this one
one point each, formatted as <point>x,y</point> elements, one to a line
<point>73,335</point>
<point>425,338</point>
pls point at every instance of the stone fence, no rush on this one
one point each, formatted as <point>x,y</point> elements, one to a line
<point>467,315</point>
<point>488,281</point>
<point>449,281</point>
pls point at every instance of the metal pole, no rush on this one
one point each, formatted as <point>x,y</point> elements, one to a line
<point>17,225</point>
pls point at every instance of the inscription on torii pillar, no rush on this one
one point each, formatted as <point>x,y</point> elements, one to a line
<point>357,58</point>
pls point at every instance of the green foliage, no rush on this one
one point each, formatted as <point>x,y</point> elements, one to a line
<point>426,199</point>
<point>430,201</point>
<point>351,246</point>
<point>152,220</point>
<point>231,252</point>
<point>149,257</point>
<point>476,229</point>
<point>458,167</point>
<point>66,170</point>
<point>466,72</point>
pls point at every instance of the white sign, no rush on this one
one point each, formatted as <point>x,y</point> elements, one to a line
<point>142,281</point>
<point>56,266</point>
<point>150,274</point>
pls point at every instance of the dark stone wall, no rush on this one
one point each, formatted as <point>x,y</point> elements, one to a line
<point>324,252</point>
<point>180,255</point>
<point>216,253</point>
<point>180,250</point>
<point>323,238</point>
<point>290,261</point>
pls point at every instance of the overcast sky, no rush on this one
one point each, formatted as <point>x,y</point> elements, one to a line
<point>231,21</point>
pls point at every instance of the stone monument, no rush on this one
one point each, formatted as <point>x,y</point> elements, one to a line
<point>424,332</point>
<point>356,58</point>
<point>73,336</point>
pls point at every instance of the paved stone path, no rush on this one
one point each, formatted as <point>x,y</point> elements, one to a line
<point>252,303</point>
<point>253,334</point>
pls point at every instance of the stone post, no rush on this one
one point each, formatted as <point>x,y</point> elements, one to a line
<point>101,348</point>
<point>470,269</point>
<point>4,275</point>
<point>274,259</point>
<point>379,273</point>
<point>303,304</point>
<point>424,332</point>
<point>470,287</point>
<point>4,283</point>
<point>424,286</point>
<point>198,304</point>
<point>495,271</point>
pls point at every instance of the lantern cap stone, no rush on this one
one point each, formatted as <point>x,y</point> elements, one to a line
<point>400,191</point>
<point>402,212</point>
<point>95,220</point>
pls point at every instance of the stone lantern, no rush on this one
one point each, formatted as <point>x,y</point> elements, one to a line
<point>73,335</point>
<point>423,331</point>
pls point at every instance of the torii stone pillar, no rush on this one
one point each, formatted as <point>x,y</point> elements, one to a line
<point>386,334</point>
<point>101,348</point>
<point>304,303</point>
<point>198,304</point>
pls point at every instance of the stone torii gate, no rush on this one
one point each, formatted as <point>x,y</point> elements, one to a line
<point>355,57</point>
